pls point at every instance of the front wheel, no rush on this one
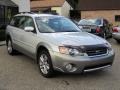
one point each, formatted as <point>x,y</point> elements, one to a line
<point>45,64</point>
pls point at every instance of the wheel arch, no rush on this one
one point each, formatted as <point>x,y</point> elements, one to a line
<point>42,46</point>
<point>7,37</point>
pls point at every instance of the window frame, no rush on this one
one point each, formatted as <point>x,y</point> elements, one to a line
<point>14,18</point>
<point>33,23</point>
<point>117,18</point>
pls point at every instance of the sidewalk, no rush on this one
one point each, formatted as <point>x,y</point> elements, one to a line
<point>2,43</point>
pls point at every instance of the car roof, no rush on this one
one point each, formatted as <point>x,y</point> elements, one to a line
<point>37,15</point>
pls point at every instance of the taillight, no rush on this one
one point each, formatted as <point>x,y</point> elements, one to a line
<point>98,30</point>
<point>115,30</point>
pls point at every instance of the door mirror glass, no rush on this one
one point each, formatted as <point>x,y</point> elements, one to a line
<point>29,29</point>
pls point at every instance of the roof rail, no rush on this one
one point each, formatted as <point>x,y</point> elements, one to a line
<point>26,12</point>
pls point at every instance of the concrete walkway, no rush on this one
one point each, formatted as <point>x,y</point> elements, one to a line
<point>2,43</point>
<point>19,72</point>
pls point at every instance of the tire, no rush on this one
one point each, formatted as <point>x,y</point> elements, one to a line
<point>45,64</point>
<point>118,41</point>
<point>10,49</point>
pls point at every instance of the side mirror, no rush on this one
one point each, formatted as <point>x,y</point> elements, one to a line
<point>29,29</point>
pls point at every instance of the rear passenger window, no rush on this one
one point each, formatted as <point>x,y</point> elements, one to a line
<point>21,22</point>
<point>15,21</point>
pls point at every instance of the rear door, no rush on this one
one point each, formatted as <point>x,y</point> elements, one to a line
<point>15,31</point>
<point>29,39</point>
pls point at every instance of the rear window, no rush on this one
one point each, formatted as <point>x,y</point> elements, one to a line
<point>85,22</point>
<point>90,22</point>
<point>96,21</point>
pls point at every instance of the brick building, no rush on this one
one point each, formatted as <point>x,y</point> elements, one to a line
<point>109,9</point>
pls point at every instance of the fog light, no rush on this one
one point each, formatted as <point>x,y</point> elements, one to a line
<point>70,68</point>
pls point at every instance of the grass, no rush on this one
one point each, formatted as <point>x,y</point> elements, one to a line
<point>2,35</point>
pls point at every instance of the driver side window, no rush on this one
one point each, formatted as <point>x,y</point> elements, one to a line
<point>29,23</point>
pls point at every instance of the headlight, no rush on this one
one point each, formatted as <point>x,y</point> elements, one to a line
<point>71,51</point>
<point>108,46</point>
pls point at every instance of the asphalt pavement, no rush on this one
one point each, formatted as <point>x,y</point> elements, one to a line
<point>20,72</point>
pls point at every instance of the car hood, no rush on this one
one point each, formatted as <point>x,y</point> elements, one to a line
<point>75,38</point>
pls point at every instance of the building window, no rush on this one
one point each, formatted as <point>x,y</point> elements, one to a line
<point>117,18</point>
<point>75,14</point>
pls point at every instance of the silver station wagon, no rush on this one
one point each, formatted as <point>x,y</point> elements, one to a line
<point>57,44</point>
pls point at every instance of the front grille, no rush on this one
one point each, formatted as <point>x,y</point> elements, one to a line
<point>86,27</point>
<point>96,50</point>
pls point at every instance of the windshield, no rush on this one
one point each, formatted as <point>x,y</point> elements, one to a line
<point>52,24</point>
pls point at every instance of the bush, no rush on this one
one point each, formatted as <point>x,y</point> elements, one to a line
<point>2,35</point>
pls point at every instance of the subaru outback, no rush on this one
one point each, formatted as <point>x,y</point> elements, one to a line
<point>57,44</point>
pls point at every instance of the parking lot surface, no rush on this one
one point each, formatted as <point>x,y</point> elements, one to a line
<point>19,72</point>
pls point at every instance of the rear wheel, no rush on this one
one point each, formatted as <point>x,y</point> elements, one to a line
<point>45,64</point>
<point>10,49</point>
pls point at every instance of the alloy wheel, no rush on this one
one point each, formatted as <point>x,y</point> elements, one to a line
<point>9,47</point>
<point>43,64</point>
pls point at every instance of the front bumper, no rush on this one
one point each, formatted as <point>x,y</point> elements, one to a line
<point>116,36</point>
<point>82,63</point>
